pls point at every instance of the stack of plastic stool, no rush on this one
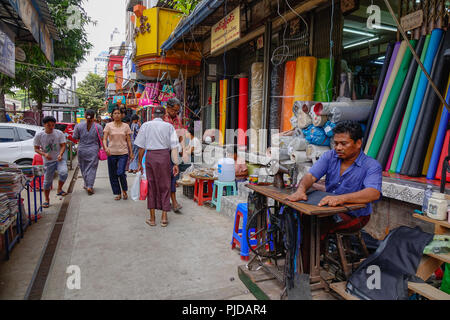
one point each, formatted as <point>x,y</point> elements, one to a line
<point>218,192</point>
<point>239,234</point>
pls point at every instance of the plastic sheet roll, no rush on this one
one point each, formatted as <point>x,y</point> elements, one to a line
<point>304,105</point>
<point>360,113</point>
<point>303,120</point>
<point>314,152</point>
<point>319,121</point>
<point>444,153</point>
<point>213,105</point>
<point>305,78</point>
<point>324,80</point>
<point>392,78</point>
<point>299,157</point>
<point>385,83</point>
<point>445,116</point>
<point>408,110</point>
<point>243,105</point>
<point>221,113</point>
<point>257,72</point>
<point>426,164</point>
<point>298,144</point>
<point>383,73</point>
<point>436,37</point>
<point>323,109</point>
<point>393,130</point>
<point>288,95</point>
<point>416,152</point>
<point>385,113</point>
<point>275,100</point>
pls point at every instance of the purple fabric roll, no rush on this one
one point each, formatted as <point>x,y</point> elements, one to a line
<point>386,79</point>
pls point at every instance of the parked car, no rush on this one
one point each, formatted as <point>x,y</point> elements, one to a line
<point>16,142</point>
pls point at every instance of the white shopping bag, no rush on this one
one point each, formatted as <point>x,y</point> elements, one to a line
<point>136,188</point>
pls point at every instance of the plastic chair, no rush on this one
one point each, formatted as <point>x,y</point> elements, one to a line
<point>218,192</point>
<point>239,234</point>
<point>200,196</point>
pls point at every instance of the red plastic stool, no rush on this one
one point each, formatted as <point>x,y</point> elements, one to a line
<point>200,196</point>
<point>37,161</point>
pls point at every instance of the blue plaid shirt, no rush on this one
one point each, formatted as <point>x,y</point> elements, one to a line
<point>364,173</point>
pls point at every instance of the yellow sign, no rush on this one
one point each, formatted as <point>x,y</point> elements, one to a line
<point>226,30</point>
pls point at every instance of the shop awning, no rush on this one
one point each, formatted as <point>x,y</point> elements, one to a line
<point>200,13</point>
<point>30,21</point>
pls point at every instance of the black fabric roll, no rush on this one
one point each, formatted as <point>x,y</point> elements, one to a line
<point>415,156</point>
<point>384,70</point>
<point>229,103</point>
<point>234,103</point>
<point>276,87</point>
<point>400,107</point>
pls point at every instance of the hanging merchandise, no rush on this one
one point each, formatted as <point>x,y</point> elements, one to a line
<point>166,93</point>
<point>409,106</point>
<point>416,152</point>
<point>435,41</point>
<point>144,100</point>
<point>121,99</point>
<point>288,96</point>
<point>385,113</point>
<point>132,102</point>
<point>393,76</point>
<point>393,130</point>
<point>275,100</point>
<point>316,135</point>
<point>383,73</point>
<point>444,154</point>
<point>243,108</point>
<point>324,80</point>
<point>257,72</point>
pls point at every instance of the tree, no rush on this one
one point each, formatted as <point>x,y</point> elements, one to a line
<point>69,52</point>
<point>91,92</point>
<point>185,6</point>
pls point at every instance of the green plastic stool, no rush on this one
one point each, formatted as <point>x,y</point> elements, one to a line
<point>218,192</point>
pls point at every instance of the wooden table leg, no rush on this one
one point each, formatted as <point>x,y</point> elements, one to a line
<point>316,281</point>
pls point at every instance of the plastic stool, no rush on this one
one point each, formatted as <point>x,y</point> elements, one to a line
<point>218,192</point>
<point>239,234</point>
<point>200,195</point>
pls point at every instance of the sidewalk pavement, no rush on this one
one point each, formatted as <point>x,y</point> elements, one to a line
<point>121,257</point>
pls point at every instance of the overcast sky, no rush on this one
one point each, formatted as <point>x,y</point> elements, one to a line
<point>109,14</point>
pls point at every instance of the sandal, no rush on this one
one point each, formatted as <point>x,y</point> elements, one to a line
<point>150,223</point>
<point>177,209</point>
<point>45,205</point>
<point>62,193</point>
<point>125,196</point>
<point>90,191</point>
<point>164,223</point>
<point>118,197</point>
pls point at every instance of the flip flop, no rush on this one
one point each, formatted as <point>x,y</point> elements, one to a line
<point>90,191</point>
<point>177,209</point>
<point>164,223</point>
<point>125,196</point>
<point>62,193</point>
<point>45,205</point>
<point>117,198</point>
<point>150,223</point>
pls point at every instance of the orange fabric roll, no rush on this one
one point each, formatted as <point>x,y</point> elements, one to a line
<point>288,93</point>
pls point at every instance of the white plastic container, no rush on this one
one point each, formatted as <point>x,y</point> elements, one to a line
<point>226,170</point>
<point>437,206</point>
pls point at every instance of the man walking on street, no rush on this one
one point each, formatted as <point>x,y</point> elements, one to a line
<point>160,140</point>
<point>51,144</point>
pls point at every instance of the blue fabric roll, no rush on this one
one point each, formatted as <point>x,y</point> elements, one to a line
<point>435,40</point>
<point>437,149</point>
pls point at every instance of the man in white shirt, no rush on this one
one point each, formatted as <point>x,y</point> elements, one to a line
<point>160,140</point>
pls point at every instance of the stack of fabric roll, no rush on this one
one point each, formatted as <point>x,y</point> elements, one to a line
<point>407,130</point>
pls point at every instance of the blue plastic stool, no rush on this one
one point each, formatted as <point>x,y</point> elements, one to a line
<point>239,234</point>
<point>218,192</point>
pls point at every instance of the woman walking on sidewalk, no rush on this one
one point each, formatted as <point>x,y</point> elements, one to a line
<point>117,142</point>
<point>134,132</point>
<point>90,134</point>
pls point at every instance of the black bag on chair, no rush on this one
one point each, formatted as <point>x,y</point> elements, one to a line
<point>384,275</point>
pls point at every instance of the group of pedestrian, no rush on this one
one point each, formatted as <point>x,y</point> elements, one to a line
<point>126,146</point>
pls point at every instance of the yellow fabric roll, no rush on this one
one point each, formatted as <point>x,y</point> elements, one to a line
<point>398,61</point>
<point>305,78</point>
<point>223,117</point>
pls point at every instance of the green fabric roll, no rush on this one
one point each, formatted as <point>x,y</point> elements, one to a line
<point>401,136</point>
<point>391,102</point>
<point>323,90</point>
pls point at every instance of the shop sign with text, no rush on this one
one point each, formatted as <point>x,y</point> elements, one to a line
<point>226,30</point>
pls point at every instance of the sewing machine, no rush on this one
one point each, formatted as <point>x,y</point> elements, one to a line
<point>277,170</point>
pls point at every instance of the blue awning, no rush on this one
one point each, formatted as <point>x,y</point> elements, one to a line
<point>200,13</point>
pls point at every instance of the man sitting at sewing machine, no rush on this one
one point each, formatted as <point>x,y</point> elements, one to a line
<point>350,174</point>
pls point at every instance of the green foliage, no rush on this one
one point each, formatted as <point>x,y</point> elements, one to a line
<point>91,91</point>
<point>185,6</point>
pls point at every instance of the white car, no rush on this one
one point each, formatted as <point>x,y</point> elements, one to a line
<point>16,142</point>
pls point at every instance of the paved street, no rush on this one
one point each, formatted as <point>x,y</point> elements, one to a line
<point>121,257</point>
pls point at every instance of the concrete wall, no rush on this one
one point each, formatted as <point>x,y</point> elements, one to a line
<point>389,214</point>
